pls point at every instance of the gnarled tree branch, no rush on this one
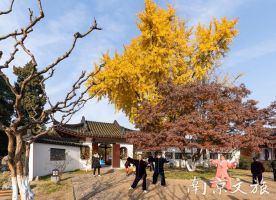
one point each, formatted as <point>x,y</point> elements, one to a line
<point>9,10</point>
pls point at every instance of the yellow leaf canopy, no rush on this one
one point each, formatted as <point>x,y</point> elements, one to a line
<point>165,50</point>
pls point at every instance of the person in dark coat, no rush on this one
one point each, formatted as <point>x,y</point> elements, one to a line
<point>158,169</point>
<point>257,170</point>
<point>151,165</point>
<point>273,165</point>
<point>96,164</point>
<point>141,173</point>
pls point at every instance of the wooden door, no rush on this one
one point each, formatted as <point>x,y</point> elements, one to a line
<point>116,155</point>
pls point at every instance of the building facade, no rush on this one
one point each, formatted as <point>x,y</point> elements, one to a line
<point>74,145</point>
<point>268,151</point>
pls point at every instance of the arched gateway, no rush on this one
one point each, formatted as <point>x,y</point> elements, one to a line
<point>76,145</point>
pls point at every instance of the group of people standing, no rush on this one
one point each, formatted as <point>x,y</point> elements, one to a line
<point>221,174</point>
<point>222,166</point>
<point>157,164</point>
<point>141,173</point>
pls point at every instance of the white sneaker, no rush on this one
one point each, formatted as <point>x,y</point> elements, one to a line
<point>145,191</point>
<point>99,175</point>
<point>131,188</point>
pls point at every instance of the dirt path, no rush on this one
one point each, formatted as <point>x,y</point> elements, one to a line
<point>113,185</point>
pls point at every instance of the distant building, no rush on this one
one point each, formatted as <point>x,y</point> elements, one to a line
<point>77,143</point>
<point>268,151</point>
<point>181,159</point>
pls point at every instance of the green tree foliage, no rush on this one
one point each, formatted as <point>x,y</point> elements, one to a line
<point>33,98</point>
<point>6,112</point>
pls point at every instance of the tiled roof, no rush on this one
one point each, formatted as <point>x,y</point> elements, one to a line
<point>93,129</point>
<point>101,129</point>
<point>59,141</point>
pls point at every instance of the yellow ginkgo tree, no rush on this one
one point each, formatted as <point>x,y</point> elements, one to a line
<point>165,50</point>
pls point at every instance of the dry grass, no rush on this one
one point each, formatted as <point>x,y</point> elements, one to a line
<point>208,173</point>
<point>45,189</point>
<point>4,177</point>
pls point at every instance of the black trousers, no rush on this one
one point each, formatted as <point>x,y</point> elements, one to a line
<point>155,177</point>
<point>95,171</point>
<point>274,173</point>
<point>137,179</point>
<point>257,176</point>
<point>151,167</point>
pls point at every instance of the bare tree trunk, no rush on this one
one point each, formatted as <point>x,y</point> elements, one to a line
<point>11,154</point>
<point>195,157</point>
<point>11,165</point>
<point>73,102</point>
<point>19,164</point>
<point>30,194</point>
<point>27,156</point>
<point>22,178</point>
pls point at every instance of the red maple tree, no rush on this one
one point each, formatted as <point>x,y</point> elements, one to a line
<point>203,116</point>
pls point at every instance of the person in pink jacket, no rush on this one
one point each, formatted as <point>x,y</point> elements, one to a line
<point>221,174</point>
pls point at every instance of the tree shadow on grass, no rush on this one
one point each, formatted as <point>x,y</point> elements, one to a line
<point>207,181</point>
<point>110,171</point>
<point>66,178</point>
<point>102,186</point>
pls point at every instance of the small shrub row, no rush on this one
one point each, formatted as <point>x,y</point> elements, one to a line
<point>245,163</point>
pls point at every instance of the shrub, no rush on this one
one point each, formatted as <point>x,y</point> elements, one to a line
<point>267,165</point>
<point>245,163</point>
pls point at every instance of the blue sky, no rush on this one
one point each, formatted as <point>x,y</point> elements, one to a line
<point>253,52</point>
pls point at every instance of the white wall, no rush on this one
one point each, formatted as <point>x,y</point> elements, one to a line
<point>86,164</point>
<point>262,154</point>
<point>201,161</point>
<point>129,153</point>
<point>40,164</point>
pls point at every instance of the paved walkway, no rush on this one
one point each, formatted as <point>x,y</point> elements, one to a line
<point>113,185</point>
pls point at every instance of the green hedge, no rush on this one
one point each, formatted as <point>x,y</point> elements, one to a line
<point>245,163</point>
<point>267,165</point>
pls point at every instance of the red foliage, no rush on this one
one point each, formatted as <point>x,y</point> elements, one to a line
<point>208,116</point>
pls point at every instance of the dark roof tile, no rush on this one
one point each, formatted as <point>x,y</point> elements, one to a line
<point>94,129</point>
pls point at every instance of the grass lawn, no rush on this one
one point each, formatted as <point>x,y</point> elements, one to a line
<point>4,177</point>
<point>208,173</point>
<point>202,173</point>
<point>45,187</point>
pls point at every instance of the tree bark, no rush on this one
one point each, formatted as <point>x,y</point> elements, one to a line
<point>195,157</point>
<point>14,188</point>
<point>11,154</point>
<point>11,164</point>
<point>19,177</point>
<point>27,156</point>
<point>22,173</point>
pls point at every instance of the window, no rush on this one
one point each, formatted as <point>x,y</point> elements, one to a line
<point>266,154</point>
<point>178,155</point>
<point>57,154</point>
<point>187,155</point>
<point>169,155</point>
<point>228,156</point>
<point>85,152</point>
<point>123,153</point>
<point>213,156</point>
